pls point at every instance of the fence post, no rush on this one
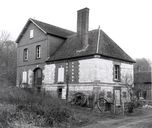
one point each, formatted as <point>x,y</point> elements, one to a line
<point>123,108</point>
<point>114,107</point>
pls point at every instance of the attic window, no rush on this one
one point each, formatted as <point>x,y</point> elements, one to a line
<point>31,34</point>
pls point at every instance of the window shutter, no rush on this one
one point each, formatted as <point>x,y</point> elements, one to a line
<point>117,97</point>
<point>24,77</point>
<point>31,33</point>
<point>61,74</point>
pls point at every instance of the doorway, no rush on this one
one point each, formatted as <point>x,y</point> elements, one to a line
<point>117,96</point>
<point>38,78</point>
<point>59,92</point>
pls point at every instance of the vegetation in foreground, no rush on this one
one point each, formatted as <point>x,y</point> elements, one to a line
<point>25,107</point>
<point>32,108</point>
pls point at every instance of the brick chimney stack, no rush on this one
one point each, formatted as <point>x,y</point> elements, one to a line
<point>83,26</point>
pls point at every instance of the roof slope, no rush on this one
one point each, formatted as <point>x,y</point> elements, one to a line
<point>47,29</point>
<point>53,30</point>
<point>107,48</point>
<point>142,77</point>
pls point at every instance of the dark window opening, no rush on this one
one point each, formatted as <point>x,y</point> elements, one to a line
<point>117,72</point>
<point>59,91</point>
<point>38,52</point>
<point>109,94</point>
<point>25,54</point>
<point>124,94</point>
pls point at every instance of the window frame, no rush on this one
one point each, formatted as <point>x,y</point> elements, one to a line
<point>31,33</point>
<point>38,52</point>
<point>116,72</point>
<point>25,54</point>
<point>61,75</point>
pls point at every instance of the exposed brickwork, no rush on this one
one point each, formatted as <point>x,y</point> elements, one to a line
<point>27,68</point>
<point>71,70</point>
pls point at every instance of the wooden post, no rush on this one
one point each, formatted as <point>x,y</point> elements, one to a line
<point>123,108</point>
<point>114,110</point>
<point>67,82</point>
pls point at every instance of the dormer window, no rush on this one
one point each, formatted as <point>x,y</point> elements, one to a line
<point>25,54</point>
<point>31,34</point>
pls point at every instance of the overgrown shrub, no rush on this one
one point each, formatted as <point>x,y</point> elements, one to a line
<point>129,107</point>
<point>41,108</point>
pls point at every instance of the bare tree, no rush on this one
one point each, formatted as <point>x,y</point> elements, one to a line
<point>7,58</point>
<point>129,84</point>
<point>142,65</point>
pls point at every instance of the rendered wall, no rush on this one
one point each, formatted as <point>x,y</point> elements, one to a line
<point>97,69</point>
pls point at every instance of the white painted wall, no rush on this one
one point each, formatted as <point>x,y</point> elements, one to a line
<point>127,73</point>
<point>105,71</point>
<point>49,74</point>
<point>94,69</point>
<point>98,69</point>
<point>87,70</point>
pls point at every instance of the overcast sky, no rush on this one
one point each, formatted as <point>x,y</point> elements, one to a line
<point>127,22</point>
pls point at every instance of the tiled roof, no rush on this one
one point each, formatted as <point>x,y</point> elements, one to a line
<point>142,77</point>
<point>106,48</point>
<point>53,30</point>
<point>47,29</point>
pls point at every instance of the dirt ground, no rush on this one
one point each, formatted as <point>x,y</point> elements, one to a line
<point>133,121</point>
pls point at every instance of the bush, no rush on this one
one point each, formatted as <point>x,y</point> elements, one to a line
<point>41,108</point>
<point>129,107</point>
<point>80,99</point>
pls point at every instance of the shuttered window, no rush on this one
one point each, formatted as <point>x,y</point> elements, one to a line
<point>117,97</point>
<point>24,77</point>
<point>61,74</point>
<point>31,33</point>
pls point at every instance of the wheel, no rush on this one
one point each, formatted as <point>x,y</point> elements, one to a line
<point>101,104</point>
<point>79,99</point>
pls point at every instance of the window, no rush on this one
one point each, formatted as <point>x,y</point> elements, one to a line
<point>124,94</point>
<point>61,75</point>
<point>109,94</point>
<point>117,97</point>
<point>117,72</point>
<point>25,54</point>
<point>24,77</point>
<point>31,33</point>
<point>38,51</point>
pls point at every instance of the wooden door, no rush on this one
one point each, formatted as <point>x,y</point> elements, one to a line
<point>38,77</point>
<point>117,96</point>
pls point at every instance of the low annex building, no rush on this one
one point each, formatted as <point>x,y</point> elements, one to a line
<point>50,58</point>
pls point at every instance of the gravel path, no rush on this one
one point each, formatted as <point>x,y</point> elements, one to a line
<point>144,121</point>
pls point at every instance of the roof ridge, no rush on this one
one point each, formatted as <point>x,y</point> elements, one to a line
<point>52,25</point>
<point>32,20</point>
<point>98,41</point>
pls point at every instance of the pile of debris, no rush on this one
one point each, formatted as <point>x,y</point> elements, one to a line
<point>147,106</point>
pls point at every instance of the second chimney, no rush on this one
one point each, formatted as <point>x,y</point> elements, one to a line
<point>83,25</point>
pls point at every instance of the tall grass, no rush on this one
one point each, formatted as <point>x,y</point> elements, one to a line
<point>37,108</point>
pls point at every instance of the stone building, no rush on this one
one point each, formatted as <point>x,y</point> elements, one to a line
<point>143,79</point>
<point>51,58</point>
